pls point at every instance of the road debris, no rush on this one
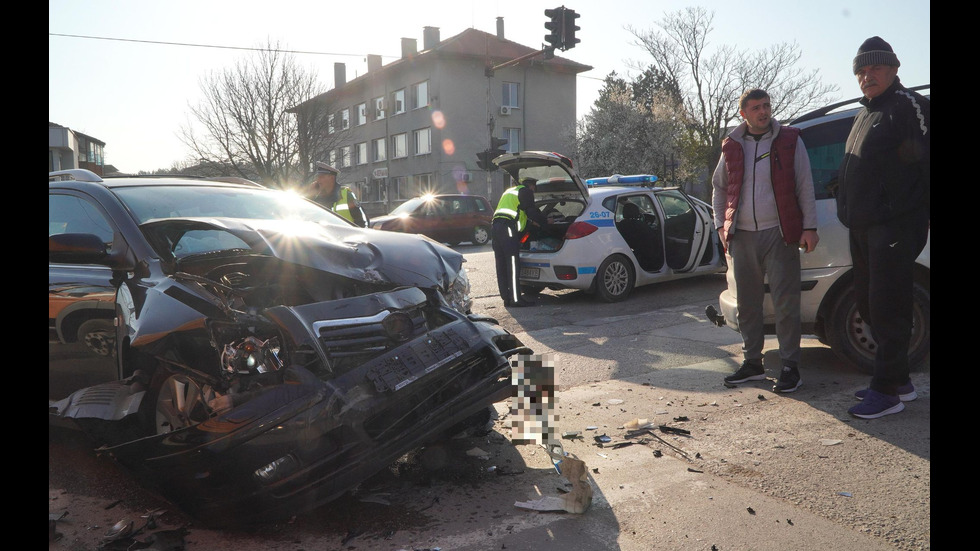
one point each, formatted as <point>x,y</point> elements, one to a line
<point>577,500</point>
<point>829,442</point>
<point>637,424</point>
<point>674,430</point>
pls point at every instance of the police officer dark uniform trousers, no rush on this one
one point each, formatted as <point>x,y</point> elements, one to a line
<point>510,221</point>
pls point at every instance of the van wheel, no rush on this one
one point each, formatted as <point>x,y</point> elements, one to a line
<point>615,279</point>
<point>481,235</point>
<point>850,337</point>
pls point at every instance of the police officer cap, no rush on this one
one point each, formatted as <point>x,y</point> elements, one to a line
<point>324,168</point>
<point>528,180</point>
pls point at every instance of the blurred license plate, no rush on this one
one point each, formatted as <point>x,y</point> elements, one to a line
<point>530,273</point>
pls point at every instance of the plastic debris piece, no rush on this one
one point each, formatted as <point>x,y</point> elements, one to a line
<point>761,397</point>
<point>602,455</point>
<point>591,427</point>
<point>829,441</point>
<point>477,452</point>
<point>674,430</point>
<point>845,494</point>
<point>602,439</point>
<point>119,530</point>
<point>693,470</point>
<point>571,434</point>
<point>750,510</point>
<point>614,401</point>
<point>637,423</point>
<point>681,418</point>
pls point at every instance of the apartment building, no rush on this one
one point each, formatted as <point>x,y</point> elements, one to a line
<point>70,149</point>
<point>415,125</point>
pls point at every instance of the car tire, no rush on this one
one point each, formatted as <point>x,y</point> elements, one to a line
<point>850,337</point>
<point>481,235</point>
<point>177,401</point>
<point>99,336</point>
<point>615,279</point>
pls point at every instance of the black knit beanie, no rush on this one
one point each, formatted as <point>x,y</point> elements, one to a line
<point>875,51</point>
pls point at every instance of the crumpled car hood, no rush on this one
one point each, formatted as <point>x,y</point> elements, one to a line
<point>357,253</point>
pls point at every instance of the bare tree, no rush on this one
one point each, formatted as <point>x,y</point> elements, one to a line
<point>710,82</point>
<point>249,129</point>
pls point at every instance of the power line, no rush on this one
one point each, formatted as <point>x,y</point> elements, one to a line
<point>198,45</point>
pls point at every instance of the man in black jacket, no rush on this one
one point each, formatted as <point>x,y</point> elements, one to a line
<point>883,200</point>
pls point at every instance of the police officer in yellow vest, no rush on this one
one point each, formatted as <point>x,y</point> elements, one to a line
<point>510,222</point>
<point>324,190</point>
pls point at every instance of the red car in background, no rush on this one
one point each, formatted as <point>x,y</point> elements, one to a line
<point>449,218</point>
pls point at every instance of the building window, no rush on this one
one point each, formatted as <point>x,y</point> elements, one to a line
<point>361,111</point>
<point>422,184</point>
<point>379,108</point>
<point>345,156</point>
<point>330,126</point>
<point>420,94</point>
<point>378,149</point>
<point>423,141</point>
<point>513,137</point>
<point>399,146</point>
<point>345,119</point>
<point>333,157</point>
<point>398,101</point>
<point>509,96</point>
<point>397,189</point>
<point>378,190</point>
<point>361,153</point>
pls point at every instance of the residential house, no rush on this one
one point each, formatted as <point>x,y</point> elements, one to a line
<point>70,149</point>
<point>415,125</point>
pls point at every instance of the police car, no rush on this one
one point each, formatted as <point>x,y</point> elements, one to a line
<point>586,246</point>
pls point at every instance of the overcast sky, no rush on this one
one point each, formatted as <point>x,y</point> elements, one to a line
<point>134,93</point>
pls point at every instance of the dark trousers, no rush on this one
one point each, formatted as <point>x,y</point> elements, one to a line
<point>506,249</point>
<point>884,259</point>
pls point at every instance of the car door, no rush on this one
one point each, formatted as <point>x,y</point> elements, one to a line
<point>81,302</point>
<point>687,229</point>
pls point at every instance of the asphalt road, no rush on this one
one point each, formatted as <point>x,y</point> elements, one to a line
<point>757,470</point>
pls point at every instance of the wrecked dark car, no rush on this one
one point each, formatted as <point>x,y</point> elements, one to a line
<point>250,354</point>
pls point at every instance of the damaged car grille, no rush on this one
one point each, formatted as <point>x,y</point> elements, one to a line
<point>358,339</point>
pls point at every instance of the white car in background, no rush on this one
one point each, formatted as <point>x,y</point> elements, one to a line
<point>584,249</point>
<point>828,309</point>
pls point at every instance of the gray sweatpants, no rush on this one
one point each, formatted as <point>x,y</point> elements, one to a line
<point>755,255</point>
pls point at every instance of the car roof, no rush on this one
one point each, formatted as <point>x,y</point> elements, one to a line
<point>837,110</point>
<point>61,177</point>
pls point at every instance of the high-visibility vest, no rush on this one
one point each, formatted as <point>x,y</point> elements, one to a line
<point>342,206</point>
<point>509,207</point>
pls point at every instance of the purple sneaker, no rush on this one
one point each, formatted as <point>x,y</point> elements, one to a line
<point>906,393</point>
<point>876,404</point>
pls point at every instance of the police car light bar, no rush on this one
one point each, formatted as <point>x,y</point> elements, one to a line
<point>619,179</point>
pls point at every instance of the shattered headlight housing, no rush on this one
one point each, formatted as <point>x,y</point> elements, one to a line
<point>459,292</point>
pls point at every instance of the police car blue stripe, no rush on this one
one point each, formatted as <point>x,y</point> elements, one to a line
<point>603,222</point>
<point>587,270</point>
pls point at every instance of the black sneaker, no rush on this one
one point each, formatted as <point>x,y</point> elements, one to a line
<point>748,372</point>
<point>789,380</point>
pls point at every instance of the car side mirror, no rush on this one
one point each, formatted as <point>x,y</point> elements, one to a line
<point>88,248</point>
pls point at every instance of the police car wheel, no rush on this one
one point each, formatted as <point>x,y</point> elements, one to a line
<point>615,279</point>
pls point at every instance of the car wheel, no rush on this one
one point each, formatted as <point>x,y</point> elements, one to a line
<point>850,337</point>
<point>615,278</point>
<point>481,235</point>
<point>99,335</point>
<point>180,402</point>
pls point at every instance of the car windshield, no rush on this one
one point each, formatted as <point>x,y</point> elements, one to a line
<point>409,206</point>
<point>203,201</point>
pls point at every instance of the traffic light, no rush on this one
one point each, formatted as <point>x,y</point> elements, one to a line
<point>484,160</point>
<point>497,147</point>
<point>569,27</point>
<point>555,26</point>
